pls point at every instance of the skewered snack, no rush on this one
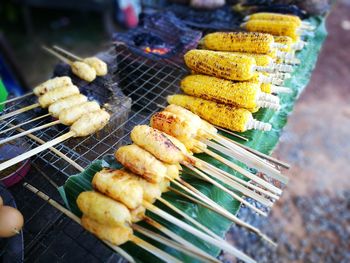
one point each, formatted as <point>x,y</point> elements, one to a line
<point>233,67</point>
<point>57,107</point>
<point>277,28</point>
<point>241,94</point>
<point>234,119</point>
<point>117,235</point>
<point>58,93</point>
<point>90,123</point>
<point>250,42</point>
<point>113,183</point>
<point>52,84</point>
<point>97,64</point>
<point>70,115</point>
<point>152,169</point>
<point>83,70</point>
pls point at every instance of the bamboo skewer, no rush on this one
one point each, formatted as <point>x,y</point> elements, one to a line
<point>76,219</point>
<point>249,175</point>
<point>17,98</point>
<point>220,210</point>
<point>24,123</point>
<point>179,239</point>
<point>168,242</point>
<point>232,194</point>
<point>262,155</point>
<point>249,159</point>
<point>190,219</point>
<point>75,57</point>
<point>13,113</point>
<point>232,133</point>
<point>227,176</point>
<point>222,245</point>
<point>29,131</point>
<point>59,56</point>
<point>35,151</point>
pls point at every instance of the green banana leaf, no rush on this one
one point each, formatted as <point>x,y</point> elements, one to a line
<point>261,141</point>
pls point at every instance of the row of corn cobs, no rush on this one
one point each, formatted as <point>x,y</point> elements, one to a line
<point>236,73</point>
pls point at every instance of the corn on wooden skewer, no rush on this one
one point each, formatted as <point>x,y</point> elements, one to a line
<point>232,67</point>
<point>97,64</point>
<point>80,69</point>
<point>277,28</point>
<point>235,119</point>
<point>74,218</point>
<point>240,42</point>
<point>279,17</point>
<point>242,94</point>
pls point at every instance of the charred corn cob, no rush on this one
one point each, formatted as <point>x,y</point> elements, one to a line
<point>277,28</point>
<point>233,67</point>
<point>279,17</point>
<point>241,94</point>
<point>260,59</point>
<point>251,42</point>
<point>235,119</point>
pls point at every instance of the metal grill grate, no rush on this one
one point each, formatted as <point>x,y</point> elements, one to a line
<point>48,235</point>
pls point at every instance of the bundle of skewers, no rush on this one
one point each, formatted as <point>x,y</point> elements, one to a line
<point>234,78</point>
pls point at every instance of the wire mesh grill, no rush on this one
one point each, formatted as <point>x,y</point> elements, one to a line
<point>48,235</point>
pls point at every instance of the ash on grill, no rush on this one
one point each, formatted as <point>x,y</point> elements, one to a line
<point>223,18</point>
<point>106,91</point>
<point>160,36</point>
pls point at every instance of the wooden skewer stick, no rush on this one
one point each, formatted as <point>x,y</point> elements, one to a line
<point>231,177</point>
<point>168,242</point>
<point>232,133</point>
<point>153,250</point>
<point>29,131</point>
<point>24,123</point>
<point>232,183</point>
<point>17,98</point>
<point>222,245</point>
<point>231,193</point>
<point>262,155</point>
<point>73,56</point>
<point>56,54</point>
<point>179,239</point>
<point>14,113</point>
<point>190,219</point>
<point>76,219</point>
<point>242,171</point>
<point>220,210</point>
<point>59,153</point>
<point>249,159</point>
<point>36,150</point>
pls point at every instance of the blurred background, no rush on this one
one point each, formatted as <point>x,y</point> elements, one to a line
<point>312,220</point>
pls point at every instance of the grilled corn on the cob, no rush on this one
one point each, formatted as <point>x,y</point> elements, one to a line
<point>239,41</point>
<point>277,28</point>
<point>241,94</point>
<point>233,67</point>
<point>232,118</point>
<point>275,17</point>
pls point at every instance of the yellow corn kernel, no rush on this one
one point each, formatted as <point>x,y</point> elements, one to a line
<point>221,115</point>
<point>233,67</point>
<point>275,17</point>
<point>239,41</point>
<point>241,94</point>
<point>277,28</point>
<point>262,60</point>
<point>287,41</point>
<point>265,87</point>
